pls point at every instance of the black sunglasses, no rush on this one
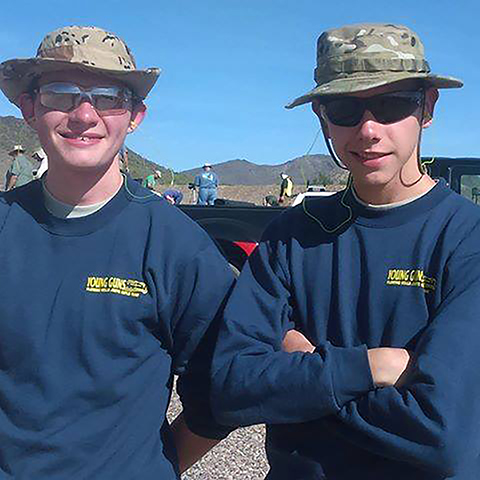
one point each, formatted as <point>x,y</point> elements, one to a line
<point>386,108</point>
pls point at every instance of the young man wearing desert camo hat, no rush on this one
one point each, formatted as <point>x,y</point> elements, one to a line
<point>378,287</point>
<point>101,300</point>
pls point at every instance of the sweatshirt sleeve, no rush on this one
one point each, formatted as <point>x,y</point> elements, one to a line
<point>201,285</point>
<point>432,421</point>
<point>254,381</point>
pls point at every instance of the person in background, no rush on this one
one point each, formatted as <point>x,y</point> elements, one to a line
<point>20,171</point>
<point>151,180</point>
<point>377,287</point>
<point>107,292</point>
<point>286,187</point>
<point>173,196</point>
<point>207,185</point>
<point>271,201</point>
<point>41,157</point>
<point>123,159</point>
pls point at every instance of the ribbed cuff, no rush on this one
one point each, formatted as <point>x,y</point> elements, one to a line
<point>351,374</point>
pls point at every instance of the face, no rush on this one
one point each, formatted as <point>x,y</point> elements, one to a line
<point>379,154</point>
<point>80,139</point>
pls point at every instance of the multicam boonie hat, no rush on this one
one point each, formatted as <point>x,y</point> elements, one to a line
<point>359,57</point>
<point>88,48</point>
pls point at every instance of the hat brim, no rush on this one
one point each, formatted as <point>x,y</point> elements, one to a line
<point>344,86</point>
<point>15,150</point>
<point>24,71</point>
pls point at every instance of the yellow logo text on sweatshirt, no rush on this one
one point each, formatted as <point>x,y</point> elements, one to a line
<point>121,286</point>
<point>411,278</point>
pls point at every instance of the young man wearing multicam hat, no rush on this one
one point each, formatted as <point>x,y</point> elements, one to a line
<point>378,287</point>
<point>107,290</point>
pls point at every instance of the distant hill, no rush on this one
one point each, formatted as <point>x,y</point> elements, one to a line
<point>302,170</point>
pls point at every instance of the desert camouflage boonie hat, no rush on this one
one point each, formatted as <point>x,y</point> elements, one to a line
<point>359,57</point>
<point>88,48</point>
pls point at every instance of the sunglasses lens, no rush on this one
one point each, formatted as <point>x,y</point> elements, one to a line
<point>109,103</point>
<point>63,102</point>
<point>345,112</point>
<point>393,108</point>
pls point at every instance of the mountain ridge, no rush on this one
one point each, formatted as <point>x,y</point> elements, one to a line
<point>302,170</point>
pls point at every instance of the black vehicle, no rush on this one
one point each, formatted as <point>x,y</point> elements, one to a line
<point>237,227</point>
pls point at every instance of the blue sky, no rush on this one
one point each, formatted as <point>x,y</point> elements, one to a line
<point>230,66</point>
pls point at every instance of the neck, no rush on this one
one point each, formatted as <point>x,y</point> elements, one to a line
<point>83,187</point>
<point>393,191</point>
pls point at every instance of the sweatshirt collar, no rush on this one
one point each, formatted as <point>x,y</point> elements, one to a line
<point>398,215</point>
<point>33,203</point>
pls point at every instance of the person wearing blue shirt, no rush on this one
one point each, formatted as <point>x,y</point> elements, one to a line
<point>377,289</point>
<point>207,185</point>
<point>107,290</point>
<point>173,196</point>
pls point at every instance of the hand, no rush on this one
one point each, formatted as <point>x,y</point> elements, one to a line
<point>388,365</point>
<point>294,341</point>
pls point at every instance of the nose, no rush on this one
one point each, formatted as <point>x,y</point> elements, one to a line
<point>85,115</point>
<point>369,129</point>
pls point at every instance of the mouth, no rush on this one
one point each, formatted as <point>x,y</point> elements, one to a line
<point>81,138</point>
<point>369,158</point>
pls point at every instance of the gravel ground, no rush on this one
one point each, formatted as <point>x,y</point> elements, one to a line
<point>239,457</point>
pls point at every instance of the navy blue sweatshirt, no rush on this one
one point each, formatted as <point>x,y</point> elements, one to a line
<point>408,277</point>
<point>96,314</point>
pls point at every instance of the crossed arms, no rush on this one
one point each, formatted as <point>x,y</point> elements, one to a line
<point>418,407</point>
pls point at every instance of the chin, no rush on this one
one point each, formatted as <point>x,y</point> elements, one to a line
<point>373,179</point>
<point>84,159</point>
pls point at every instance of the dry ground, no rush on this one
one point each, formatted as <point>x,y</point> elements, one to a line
<point>247,193</point>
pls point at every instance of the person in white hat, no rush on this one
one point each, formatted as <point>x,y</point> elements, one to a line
<point>150,181</point>
<point>207,185</point>
<point>286,187</point>
<point>20,171</point>
<point>107,291</point>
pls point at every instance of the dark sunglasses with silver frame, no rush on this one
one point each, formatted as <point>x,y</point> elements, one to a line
<point>65,97</point>
<point>387,108</point>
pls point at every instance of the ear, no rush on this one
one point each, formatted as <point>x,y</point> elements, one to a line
<point>27,106</point>
<point>431,97</point>
<point>319,112</point>
<point>138,114</point>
